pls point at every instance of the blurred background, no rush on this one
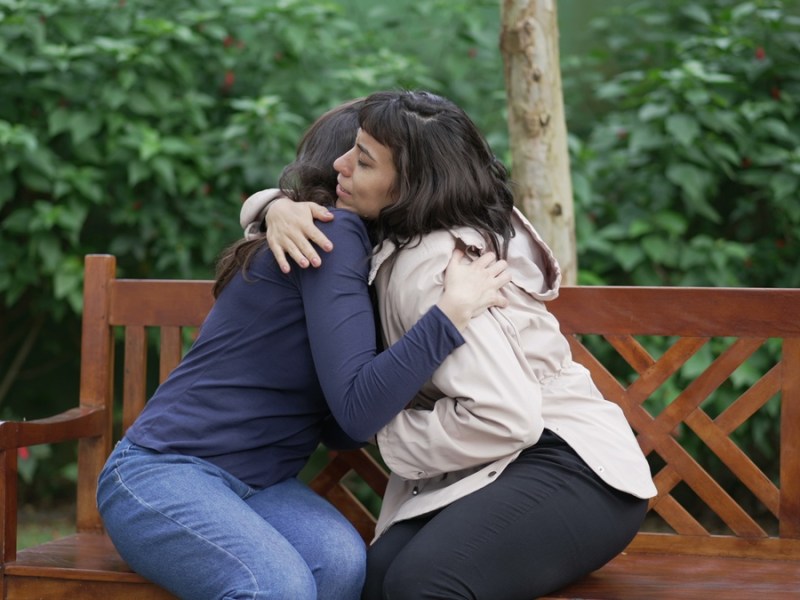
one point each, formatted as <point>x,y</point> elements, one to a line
<point>138,127</point>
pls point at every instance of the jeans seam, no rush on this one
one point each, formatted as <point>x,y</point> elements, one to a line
<point>184,527</point>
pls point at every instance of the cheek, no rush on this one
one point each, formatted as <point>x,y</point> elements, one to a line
<point>391,193</point>
<point>388,199</point>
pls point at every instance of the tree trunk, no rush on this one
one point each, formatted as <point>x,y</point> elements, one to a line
<point>537,127</point>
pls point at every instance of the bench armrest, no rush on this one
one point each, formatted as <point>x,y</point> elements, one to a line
<point>72,424</point>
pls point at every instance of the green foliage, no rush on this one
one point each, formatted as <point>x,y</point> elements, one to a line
<point>686,145</point>
<point>136,128</point>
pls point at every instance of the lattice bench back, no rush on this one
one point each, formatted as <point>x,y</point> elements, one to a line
<point>717,410</point>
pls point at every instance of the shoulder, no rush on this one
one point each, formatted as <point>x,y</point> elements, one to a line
<point>345,228</point>
<point>432,251</point>
<point>350,254</point>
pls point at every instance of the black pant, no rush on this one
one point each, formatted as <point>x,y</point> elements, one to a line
<point>545,522</point>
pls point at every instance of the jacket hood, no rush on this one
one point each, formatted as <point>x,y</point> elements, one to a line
<point>533,265</point>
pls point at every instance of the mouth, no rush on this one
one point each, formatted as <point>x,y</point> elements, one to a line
<point>341,192</point>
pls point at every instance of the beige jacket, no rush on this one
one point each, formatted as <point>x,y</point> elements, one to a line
<point>493,396</point>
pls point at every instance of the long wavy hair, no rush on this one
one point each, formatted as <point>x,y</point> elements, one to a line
<point>447,175</point>
<point>310,177</point>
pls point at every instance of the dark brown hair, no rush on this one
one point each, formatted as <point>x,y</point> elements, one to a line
<point>447,175</point>
<point>311,177</point>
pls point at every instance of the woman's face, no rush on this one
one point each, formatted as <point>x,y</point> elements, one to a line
<point>366,177</point>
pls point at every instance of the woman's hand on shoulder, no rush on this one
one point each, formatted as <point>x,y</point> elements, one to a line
<point>291,230</point>
<point>472,287</point>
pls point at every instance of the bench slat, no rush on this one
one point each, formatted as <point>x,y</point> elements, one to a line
<point>135,381</point>
<point>790,441</point>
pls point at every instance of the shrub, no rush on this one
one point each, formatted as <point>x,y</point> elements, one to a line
<point>687,164</point>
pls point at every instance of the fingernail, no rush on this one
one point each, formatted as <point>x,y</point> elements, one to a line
<point>315,262</point>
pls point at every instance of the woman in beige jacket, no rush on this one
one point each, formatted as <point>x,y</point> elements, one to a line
<point>511,475</point>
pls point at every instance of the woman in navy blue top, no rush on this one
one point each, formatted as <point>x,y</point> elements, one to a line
<point>201,495</point>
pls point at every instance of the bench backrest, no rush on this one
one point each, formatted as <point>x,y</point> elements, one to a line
<point>712,336</point>
<point>126,308</point>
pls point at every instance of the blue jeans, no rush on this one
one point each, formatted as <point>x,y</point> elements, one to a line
<point>200,533</point>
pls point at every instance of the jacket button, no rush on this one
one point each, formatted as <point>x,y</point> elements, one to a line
<point>492,473</point>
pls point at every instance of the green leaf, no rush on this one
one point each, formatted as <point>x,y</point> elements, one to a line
<point>165,172</point>
<point>697,69</point>
<point>68,279</point>
<point>628,255</point>
<point>745,9</point>
<point>695,184</point>
<point>697,363</point>
<point>84,125</point>
<point>683,128</point>
<point>49,250</point>
<point>137,171</point>
<point>645,138</point>
<point>150,144</point>
<point>784,185</point>
<point>722,121</point>
<point>697,97</point>
<point>639,227</point>
<point>71,218</point>
<point>659,250</point>
<point>650,111</point>
<point>673,223</point>
<point>689,178</point>
<point>779,130</point>
<point>58,121</point>
<point>6,189</point>
<point>34,180</point>
<point>697,13</point>
<point>18,221</point>
<point>725,152</point>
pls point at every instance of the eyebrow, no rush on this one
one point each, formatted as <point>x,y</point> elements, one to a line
<point>363,149</point>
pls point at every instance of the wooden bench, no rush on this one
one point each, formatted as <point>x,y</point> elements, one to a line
<point>751,549</point>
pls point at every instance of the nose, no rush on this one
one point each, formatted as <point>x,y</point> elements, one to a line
<point>343,164</point>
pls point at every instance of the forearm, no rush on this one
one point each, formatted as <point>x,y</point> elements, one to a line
<point>254,210</point>
<point>384,385</point>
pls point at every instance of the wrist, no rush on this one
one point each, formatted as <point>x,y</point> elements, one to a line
<point>454,311</point>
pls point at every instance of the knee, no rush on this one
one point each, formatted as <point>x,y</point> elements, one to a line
<point>341,566</point>
<point>399,585</point>
<point>291,583</point>
<point>351,559</point>
<point>413,580</point>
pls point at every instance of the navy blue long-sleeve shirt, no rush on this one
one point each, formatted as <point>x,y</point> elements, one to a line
<point>283,358</point>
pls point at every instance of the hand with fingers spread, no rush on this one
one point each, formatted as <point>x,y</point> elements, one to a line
<point>472,286</point>
<point>291,230</point>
